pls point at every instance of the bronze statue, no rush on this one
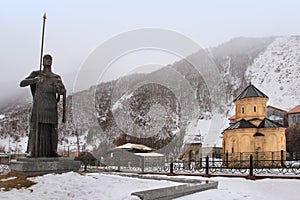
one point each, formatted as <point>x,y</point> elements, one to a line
<point>46,88</point>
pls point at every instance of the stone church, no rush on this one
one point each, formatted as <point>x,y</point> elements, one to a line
<point>252,132</point>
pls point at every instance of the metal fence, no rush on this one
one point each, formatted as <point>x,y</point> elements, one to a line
<point>266,155</point>
<point>251,164</point>
<point>206,166</point>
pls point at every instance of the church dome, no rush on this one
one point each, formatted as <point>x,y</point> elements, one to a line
<point>249,92</point>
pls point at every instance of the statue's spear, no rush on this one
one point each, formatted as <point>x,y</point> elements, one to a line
<point>36,92</point>
<point>42,45</point>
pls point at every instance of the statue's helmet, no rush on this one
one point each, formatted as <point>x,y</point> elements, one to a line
<point>47,56</point>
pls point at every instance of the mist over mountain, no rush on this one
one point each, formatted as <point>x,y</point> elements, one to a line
<point>156,108</point>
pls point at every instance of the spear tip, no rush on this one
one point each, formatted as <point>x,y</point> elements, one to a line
<point>45,16</point>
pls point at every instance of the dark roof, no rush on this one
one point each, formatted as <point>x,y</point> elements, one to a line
<point>254,119</point>
<point>258,134</point>
<point>250,91</point>
<point>267,123</point>
<point>242,124</point>
<point>272,107</point>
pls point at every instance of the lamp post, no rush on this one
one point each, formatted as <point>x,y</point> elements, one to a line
<point>14,128</point>
<point>9,146</point>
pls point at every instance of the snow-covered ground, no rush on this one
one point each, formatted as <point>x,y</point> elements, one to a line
<point>242,189</point>
<point>207,130</point>
<point>90,186</point>
<point>102,186</point>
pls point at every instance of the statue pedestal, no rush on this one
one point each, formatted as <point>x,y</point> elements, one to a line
<point>44,165</point>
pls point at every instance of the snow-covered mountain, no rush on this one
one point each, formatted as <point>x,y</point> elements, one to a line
<point>273,64</point>
<point>276,72</point>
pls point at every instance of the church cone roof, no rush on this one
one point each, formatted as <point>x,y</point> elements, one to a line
<point>250,91</point>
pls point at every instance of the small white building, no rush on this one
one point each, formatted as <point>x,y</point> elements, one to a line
<point>136,155</point>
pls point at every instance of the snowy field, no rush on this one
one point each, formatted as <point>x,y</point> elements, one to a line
<point>101,186</point>
<point>242,189</point>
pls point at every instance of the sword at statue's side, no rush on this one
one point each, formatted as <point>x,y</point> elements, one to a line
<point>36,149</point>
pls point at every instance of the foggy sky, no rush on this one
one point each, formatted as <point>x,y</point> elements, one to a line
<point>74,29</point>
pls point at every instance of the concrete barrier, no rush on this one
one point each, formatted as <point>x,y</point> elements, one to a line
<point>175,191</point>
<point>39,166</point>
<point>188,186</point>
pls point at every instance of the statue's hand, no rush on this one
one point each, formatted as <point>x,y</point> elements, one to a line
<point>60,88</point>
<point>38,79</point>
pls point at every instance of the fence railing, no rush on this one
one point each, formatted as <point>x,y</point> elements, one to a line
<point>266,155</point>
<point>206,166</point>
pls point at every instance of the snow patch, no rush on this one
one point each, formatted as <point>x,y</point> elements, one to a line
<point>207,130</point>
<point>103,186</point>
<point>2,116</point>
<point>89,186</point>
<point>119,104</point>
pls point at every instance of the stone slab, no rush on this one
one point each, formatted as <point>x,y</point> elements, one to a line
<point>39,166</point>
<point>172,192</point>
<point>189,186</point>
